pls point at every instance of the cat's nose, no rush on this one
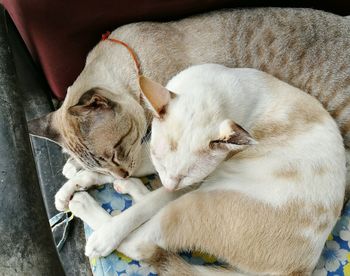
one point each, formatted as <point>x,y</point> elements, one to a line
<point>124,173</point>
<point>120,173</point>
<point>172,183</point>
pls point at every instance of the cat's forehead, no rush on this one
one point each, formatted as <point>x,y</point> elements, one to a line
<point>190,120</point>
<point>188,108</point>
<point>166,129</point>
<point>177,133</point>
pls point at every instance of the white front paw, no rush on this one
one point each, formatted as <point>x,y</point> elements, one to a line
<point>62,198</point>
<point>137,249</point>
<point>103,241</point>
<point>80,182</point>
<point>123,186</point>
<point>70,169</point>
<point>83,206</point>
<point>132,186</point>
<point>80,203</point>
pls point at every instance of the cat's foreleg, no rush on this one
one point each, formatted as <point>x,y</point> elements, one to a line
<point>85,207</point>
<point>80,182</point>
<point>142,243</point>
<point>109,236</point>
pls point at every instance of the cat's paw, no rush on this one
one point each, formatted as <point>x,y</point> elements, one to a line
<point>80,182</point>
<point>103,241</point>
<point>62,198</point>
<point>80,203</point>
<point>137,249</point>
<point>85,207</point>
<point>132,186</point>
<point>69,170</point>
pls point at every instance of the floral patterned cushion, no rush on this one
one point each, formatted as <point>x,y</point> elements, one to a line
<point>335,258</point>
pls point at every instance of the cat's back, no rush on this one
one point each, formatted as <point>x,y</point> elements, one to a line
<point>299,148</point>
<point>306,48</point>
<point>275,112</point>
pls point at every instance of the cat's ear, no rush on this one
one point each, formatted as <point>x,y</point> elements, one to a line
<point>44,127</point>
<point>157,96</point>
<point>232,137</point>
<point>90,101</point>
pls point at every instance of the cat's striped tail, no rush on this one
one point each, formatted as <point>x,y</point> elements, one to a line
<point>170,264</point>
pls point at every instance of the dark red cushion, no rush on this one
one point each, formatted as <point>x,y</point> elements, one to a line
<point>59,34</point>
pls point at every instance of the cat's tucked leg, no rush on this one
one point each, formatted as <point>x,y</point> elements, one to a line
<point>87,209</point>
<point>132,186</point>
<point>80,182</point>
<point>109,236</point>
<point>71,168</point>
<point>147,243</point>
<point>193,223</point>
<point>142,243</point>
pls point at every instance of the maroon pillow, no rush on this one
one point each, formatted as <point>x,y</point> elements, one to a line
<point>59,34</point>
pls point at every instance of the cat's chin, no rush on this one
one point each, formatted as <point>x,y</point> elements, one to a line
<point>174,190</point>
<point>169,188</point>
<point>177,187</point>
<point>190,186</point>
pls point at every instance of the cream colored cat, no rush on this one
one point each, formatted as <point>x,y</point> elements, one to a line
<point>103,119</point>
<point>271,164</point>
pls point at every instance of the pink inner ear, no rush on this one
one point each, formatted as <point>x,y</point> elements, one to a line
<point>157,95</point>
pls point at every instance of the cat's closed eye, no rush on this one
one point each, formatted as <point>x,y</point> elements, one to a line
<point>114,160</point>
<point>101,158</point>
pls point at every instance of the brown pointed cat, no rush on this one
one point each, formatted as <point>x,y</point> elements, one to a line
<point>103,118</point>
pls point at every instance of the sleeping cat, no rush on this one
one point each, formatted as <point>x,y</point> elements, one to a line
<point>271,164</point>
<point>103,120</point>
